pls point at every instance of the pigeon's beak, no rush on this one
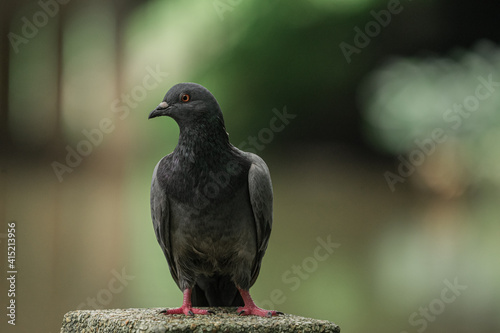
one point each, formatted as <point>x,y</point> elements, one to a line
<point>159,111</point>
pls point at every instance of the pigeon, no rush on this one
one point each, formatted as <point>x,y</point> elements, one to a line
<point>211,206</point>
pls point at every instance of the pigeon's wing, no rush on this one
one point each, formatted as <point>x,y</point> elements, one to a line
<point>160,215</point>
<point>261,199</point>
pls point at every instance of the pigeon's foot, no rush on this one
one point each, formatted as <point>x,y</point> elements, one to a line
<point>186,307</point>
<point>251,309</point>
<point>187,310</point>
<point>256,311</point>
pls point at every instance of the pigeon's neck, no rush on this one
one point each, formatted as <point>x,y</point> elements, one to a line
<point>202,159</point>
<point>203,142</point>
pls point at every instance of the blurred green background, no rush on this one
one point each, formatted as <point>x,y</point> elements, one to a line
<point>391,153</point>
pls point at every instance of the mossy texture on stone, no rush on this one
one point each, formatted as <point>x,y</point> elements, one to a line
<point>151,321</point>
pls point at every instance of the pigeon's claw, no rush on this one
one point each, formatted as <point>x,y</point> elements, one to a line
<point>251,309</point>
<point>186,307</point>
<point>187,310</point>
<point>256,311</point>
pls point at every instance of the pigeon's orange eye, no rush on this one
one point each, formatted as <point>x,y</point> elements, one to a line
<point>185,98</point>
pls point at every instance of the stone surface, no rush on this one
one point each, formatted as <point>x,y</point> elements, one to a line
<point>150,320</point>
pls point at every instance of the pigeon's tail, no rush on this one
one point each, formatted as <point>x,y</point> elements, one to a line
<point>215,291</point>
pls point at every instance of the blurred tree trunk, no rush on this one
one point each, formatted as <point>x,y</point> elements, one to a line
<point>5,15</point>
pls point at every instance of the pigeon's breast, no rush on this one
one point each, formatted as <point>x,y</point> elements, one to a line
<point>205,182</point>
<point>214,238</point>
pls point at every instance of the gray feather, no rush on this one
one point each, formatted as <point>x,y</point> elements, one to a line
<point>261,199</point>
<point>160,215</point>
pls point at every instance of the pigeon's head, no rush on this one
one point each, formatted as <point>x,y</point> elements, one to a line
<point>189,104</point>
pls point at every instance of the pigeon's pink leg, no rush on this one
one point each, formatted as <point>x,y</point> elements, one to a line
<point>186,307</point>
<point>251,309</point>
